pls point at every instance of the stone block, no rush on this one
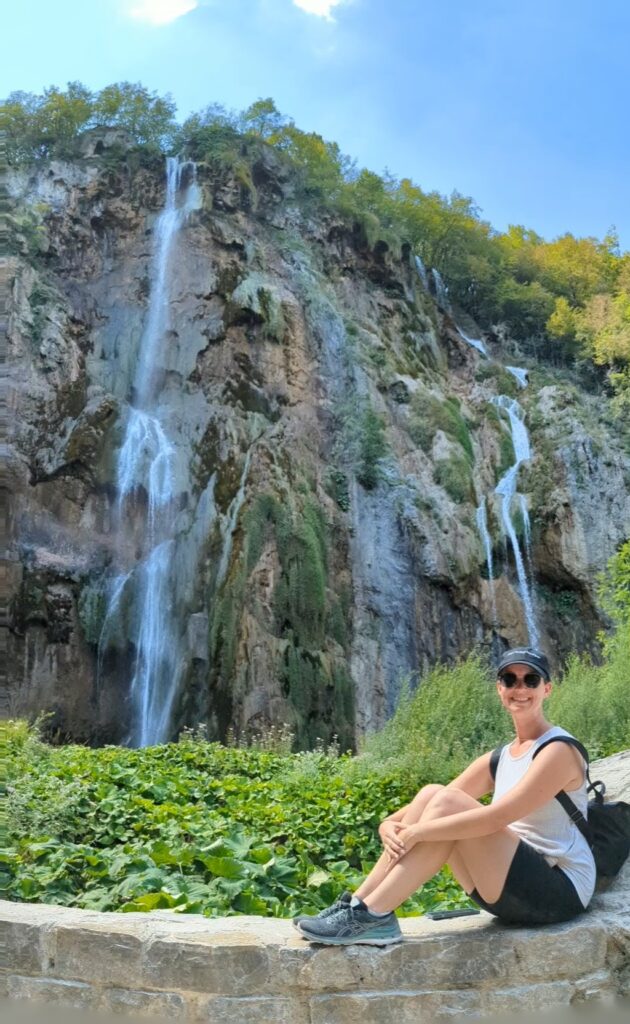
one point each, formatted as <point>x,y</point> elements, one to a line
<point>232,969</point>
<point>562,951</point>
<point>22,946</point>
<point>528,998</point>
<point>101,954</point>
<point>399,1007</point>
<point>598,987</point>
<point>253,1010</point>
<point>143,1004</point>
<point>73,994</point>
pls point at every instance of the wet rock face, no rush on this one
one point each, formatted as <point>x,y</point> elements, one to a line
<point>333,435</point>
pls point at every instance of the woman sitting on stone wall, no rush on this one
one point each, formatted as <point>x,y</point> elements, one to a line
<point>520,857</point>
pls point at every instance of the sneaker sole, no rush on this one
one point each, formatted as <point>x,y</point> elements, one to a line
<point>352,941</point>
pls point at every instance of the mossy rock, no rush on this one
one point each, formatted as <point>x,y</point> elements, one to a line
<point>257,301</point>
<point>454,475</point>
<point>430,414</point>
<point>505,382</point>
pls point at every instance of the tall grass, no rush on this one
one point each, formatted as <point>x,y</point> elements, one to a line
<point>438,728</point>
<point>593,701</point>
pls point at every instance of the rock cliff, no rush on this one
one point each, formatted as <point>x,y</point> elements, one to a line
<point>332,431</point>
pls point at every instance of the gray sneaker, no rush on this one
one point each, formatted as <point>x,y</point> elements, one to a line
<point>341,901</point>
<point>349,925</point>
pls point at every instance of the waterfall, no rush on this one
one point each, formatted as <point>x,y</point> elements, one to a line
<point>178,176</point>
<point>475,342</point>
<point>520,374</point>
<point>146,481</point>
<point>443,301</point>
<point>506,488</point>
<point>482,523</point>
<point>422,272</point>
<point>228,530</point>
<point>441,291</point>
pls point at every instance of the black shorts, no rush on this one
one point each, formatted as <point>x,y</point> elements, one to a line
<point>534,892</point>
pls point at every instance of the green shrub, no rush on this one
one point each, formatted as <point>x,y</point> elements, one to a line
<point>504,381</point>
<point>591,701</point>
<point>454,475</point>
<point>196,827</point>
<point>372,448</point>
<point>451,717</point>
<point>428,415</point>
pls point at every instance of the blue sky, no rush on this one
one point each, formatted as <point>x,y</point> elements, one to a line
<point>523,106</point>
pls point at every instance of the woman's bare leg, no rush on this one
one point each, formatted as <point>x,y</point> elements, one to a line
<point>414,812</point>
<point>484,862</point>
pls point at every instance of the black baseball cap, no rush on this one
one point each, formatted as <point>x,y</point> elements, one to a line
<point>526,656</point>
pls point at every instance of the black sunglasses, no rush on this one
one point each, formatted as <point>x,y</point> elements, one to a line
<point>531,679</point>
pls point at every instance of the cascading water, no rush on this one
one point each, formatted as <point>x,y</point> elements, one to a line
<point>474,342</point>
<point>519,373</point>
<point>422,272</point>
<point>442,299</point>
<point>441,291</point>
<point>482,523</point>
<point>506,489</point>
<point>147,466</point>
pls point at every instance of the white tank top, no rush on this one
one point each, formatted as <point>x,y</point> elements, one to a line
<point>550,829</point>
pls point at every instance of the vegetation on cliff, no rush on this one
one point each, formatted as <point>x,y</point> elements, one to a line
<point>567,300</point>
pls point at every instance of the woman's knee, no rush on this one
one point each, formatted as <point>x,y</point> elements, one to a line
<point>421,801</point>
<point>450,801</point>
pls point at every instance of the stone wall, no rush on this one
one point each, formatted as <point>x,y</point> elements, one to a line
<point>246,969</point>
<point>252,970</point>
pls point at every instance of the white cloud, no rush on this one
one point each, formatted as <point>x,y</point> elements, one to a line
<point>160,12</point>
<point>321,8</point>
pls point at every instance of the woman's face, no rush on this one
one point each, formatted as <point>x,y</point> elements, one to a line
<point>519,698</point>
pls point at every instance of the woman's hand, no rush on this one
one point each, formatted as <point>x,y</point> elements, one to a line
<point>388,830</point>
<point>407,838</point>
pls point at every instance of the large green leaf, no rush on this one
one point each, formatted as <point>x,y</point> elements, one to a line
<point>225,867</point>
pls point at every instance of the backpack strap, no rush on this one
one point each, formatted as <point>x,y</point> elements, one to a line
<point>564,799</point>
<point>494,761</point>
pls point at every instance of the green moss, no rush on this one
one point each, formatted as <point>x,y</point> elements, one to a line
<point>336,622</point>
<point>300,596</point>
<point>256,300</point>
<point>429,414</point>
<point>563,603</point>
<point>307,612</point>
<point>454,475</point>
<point>372,448</point>
<point>322,698</point>
<point>92,608</point>
<point>336,484</point>
<point>507,455</point>
<point>505,382</point>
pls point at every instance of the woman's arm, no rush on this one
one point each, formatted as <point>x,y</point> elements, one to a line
<point>550,772</point>
<point>475,780</point>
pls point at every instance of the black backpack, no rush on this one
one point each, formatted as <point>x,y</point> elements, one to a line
<point>607,829</point>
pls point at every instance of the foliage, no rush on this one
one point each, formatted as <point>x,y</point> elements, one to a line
<point>363,443</point>
<point>337,488</point>
<point>308,616</point>
<point>592,700</point>
<point>195,827</point>
<point>50,125</point>
<point>454,475</point>
<point>614,588</point>
<point>451,717</point>
<point>562,299</point>
<point>428,414</point>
